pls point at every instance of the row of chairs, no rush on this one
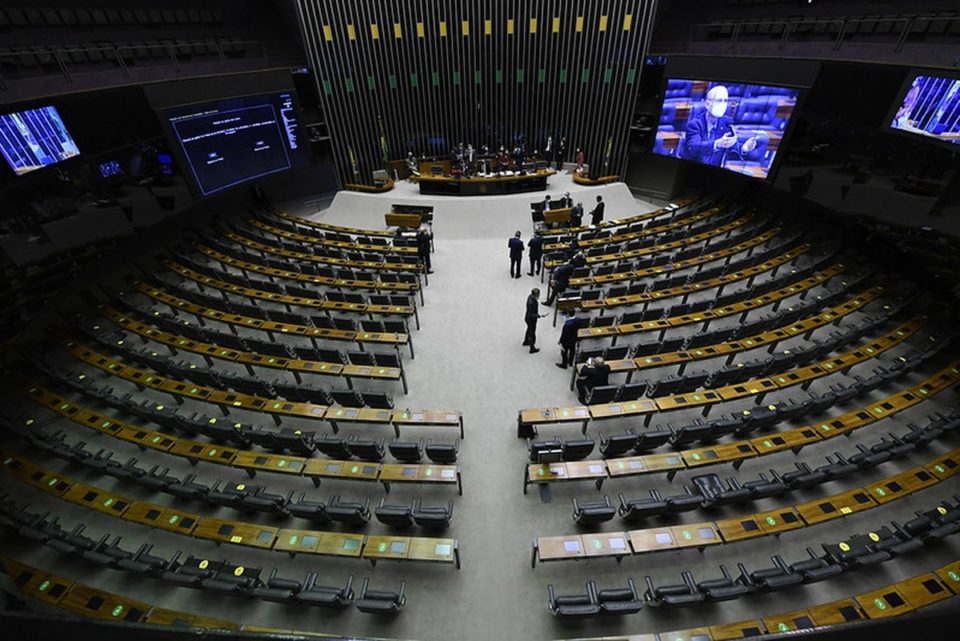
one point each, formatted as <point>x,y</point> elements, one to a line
<point>220,577</point>
<point>241,252</point>
<point>250,307</point>
<point>270,284</point>
<point>340,236</point>
<point>709,491</point>
<point>281,349</point>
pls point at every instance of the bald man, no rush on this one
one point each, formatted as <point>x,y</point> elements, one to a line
<point>710,137</point>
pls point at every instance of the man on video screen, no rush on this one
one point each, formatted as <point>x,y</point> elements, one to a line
<point>710,136</point>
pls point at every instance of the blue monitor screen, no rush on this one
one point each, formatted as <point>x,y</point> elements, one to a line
<point>35,138</point>
<point>231,141</point>
<point>931,107</point>
<point>735,126</point>
<point>110,168</point>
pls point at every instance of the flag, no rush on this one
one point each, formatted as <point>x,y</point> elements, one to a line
<point>353,164</point>
<point>384,150</point>
<point>606,157</point>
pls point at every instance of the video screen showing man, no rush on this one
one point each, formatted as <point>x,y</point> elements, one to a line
<point>931,107</point>
<point>735,126</point>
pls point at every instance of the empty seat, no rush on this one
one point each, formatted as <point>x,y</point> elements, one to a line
<point>366,449</point>
<point>574,605</point>
<point>436,517</point>
<point>620,600</point>
<point>336,448</point>
<point>577,449</point>
<point>617,444</point>
<point>638,509</point>
<point>324,596</point>
<point>443,453</point>
<point>722,589</point>
<point>406,451</point>
<point>381,601</point>
<point>398,516</point>
<point>592,512</point>
<point>346,512</point>
<point>686,593</point>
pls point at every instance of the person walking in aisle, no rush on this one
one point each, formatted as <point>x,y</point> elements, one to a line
<point>424,236</point>
<point>568,338</point>
<point>530,318</point>
<point>535,248</point>
<point>516,255</point>
<point>596,216</point>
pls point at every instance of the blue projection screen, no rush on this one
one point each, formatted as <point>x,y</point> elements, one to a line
<point>735,126</point>
<point>931,107</point>
<point>35,138</point>
<point>231,141</point>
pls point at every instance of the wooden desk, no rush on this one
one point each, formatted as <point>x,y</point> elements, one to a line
<point>294,541</point>
<point>779,520</point>
<point>738,630</point>
<point>924,590</point>
<point>252,462</point>
<point>690,634</point>
<point>834,506</point>
<point>386,547</point>
<point>340,544</point>
<point>421,473</point>
<point>739,528</point>
<point>571,471</point>
<point>96,604</point>
<point>163,616</point>
<point>795,620</point>
<point>835,612</point>
<point>906,482</point>
<point>696,535</point>
<point>606,544</point>
<point>403,221</point>
<point>652,540</point>
<point>950,575</point>
<point>557,216</point>
<point>237,532</point>
<point>735,453</point>
<point>646,464</point>
<point>36,583</point>
<point>260,246</point>
<point>883,603</point>
<point>96,499</point>
<point>317,468</point>
<point>557,548</point>
<point>162,518</point>
<point>431,550</point>
<point>481,185</point>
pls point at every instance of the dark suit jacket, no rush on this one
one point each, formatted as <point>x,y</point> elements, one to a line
<point>568,333</point>
<point>533,309</point>
<point>516,247</point>
<point>576,216</point>
<point>536,247</point>
<point>698,142</point>
<point>595,376</point>
<point>597,213</point>
<point>561,275</point>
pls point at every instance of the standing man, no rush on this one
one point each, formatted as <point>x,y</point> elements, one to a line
<point>561,152</point>
<point>560,281</point>
<point>596,216</point>
<point>423,248</point>
<point>530,318</point>
<point>568,338</point>
<point>576,215</point>
<point>516,255</point>
<point>547,203</point>
<point>535,247</point>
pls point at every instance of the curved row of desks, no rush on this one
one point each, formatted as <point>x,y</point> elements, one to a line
<point>754,388</point>
<point>773,522</point>
<point>249,461</point>
<point>252,535</point>
<point>275,407</point>
<point>895,599</point>
<point>735,452</point>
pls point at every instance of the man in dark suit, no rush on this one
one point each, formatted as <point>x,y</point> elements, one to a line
<point>709,136</point>
<point>579,260</point>
<point>516,255</point>
<point>530,318</point>
<point>576,215</point>
<point>568,338</point>
<point>423,248</point>
<point>594,374</point>
<point>596,216</point>
<point>561,152</point>
<point>560,281</point>
<point>547,203</point>
<point>535,247</point>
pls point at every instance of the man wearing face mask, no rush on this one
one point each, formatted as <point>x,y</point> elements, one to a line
<point>710,137</point>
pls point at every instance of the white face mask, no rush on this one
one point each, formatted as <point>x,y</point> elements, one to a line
<point>718,109</point>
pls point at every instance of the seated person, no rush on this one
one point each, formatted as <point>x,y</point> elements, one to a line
<point>413,167</point>
<point>594,374</point>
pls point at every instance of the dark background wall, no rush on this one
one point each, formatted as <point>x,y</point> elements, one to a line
<point>477,83</point>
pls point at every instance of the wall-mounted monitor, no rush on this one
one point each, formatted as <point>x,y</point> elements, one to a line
<point>110,168</point>
<point>231,141</point>
<point>35,138</point>
<point>735,126</point>
<point>929,106</point>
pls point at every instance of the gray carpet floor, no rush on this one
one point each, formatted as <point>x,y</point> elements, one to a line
<point>469,358</point>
